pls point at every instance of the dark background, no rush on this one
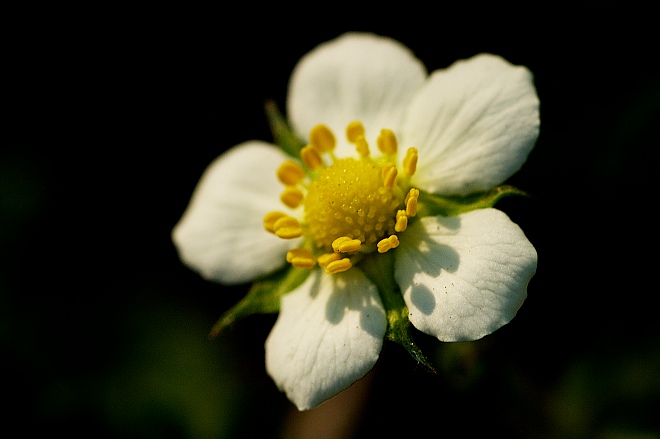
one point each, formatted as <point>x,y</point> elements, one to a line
<point>114,114</point>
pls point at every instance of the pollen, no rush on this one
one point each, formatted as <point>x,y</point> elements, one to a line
<point>301,258</point>
<point>387,142</point>
<point>410,161</point>
<point>345,244</point>
<point>326,258</point>
<point>338,266</point>
<point>411,202</point>
<point>389,175</point>
<point>401,221</point>
<point>287,227</point>
<point>322,139</point>
<point>270,218</point>
<point>354,130</point>
<point>292,196</point>
<point>311,157</point>
<point>388,243</point>
<point>290,173</point>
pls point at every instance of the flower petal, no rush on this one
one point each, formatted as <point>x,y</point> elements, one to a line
<point>221,234</point>
<point>473,124</point>
<point>356,76</point>
<point>328,335</point>
<point>463,277</point>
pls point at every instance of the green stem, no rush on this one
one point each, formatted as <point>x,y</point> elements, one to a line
<point>379,268</point>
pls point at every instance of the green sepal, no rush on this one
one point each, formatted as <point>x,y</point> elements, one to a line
<point>283,135</point>
<point>379,268</point>
<point>431,204</point>
<point>263,297</point>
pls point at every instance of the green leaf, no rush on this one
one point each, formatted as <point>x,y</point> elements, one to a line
<point>379,268</point>
<point>283,135</point>
<point>431,204</point>
<point>263,297</point>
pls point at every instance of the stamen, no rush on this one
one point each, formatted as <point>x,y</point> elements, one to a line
<point>338,266</point>
<point>411,202</point>
<point>311,157</point>
<point>401,221</point>
<point>354,130</point>
<point>300,257</point>
<point>326,258</point>
<point>270,218</point>
<point>389,175</point>
<point>410,161</point>
<point>387,142</point>
<point>322,138</point>
<point>292,197</point>
<point>290,173</point>
<point>362,146</point>
<point>388,244</point>
<point>352,206</point>
<point>345,244</point>
<point>287,227</point>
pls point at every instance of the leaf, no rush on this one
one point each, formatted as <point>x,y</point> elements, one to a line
<point>263,297</point>
<point>379,269</point>
<point>450,206</point>
<point>283,135</point>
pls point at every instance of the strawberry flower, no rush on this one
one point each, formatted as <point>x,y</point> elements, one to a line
<point>380,217</point>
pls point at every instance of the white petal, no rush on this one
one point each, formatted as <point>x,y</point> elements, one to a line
<point>356,76</point>
<point>473,124</point>
<point>463,277</point>
<point>221,234</point>
<point>328,335</point>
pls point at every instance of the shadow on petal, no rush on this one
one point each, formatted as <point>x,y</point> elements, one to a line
<point>423,299</point>
<point>353,292</point>
<point>335,309</point>
<point>369,314</point>
<point>426,255</point>
<point>315,286</point>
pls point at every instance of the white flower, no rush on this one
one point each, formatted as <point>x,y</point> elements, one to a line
<point>455,132</point>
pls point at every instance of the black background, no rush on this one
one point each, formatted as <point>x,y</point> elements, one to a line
<point>114,114</point>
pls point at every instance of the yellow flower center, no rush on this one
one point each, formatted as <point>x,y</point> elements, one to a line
<point>348,199</point>
<point>351,207</point>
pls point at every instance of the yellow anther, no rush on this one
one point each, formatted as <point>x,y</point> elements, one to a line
<point>388,244</point>
<point>337,242</point>
<point>389,175</point>
<point>292,196</point>
<point>326,258</point>
<point>301,258</point>
<point>290,173</point>
<point>338,266</point>
<point>411,202</point>
<point>354,130</point>
<point>311,157</point>
<point>322,138</point>
<point>401,221</point>
<point>386,168</point>
<point>287,227</point>
<point>345,244</point>
<point>352,206</point>
<point>362,146</point>
<point>387,142</point>
<point>270,218</point>
<point>410,161</point>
